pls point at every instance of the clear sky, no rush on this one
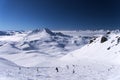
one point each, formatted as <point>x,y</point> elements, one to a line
<point>59,14</point>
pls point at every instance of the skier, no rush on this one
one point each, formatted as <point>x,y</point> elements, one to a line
<point>67,66</point>
<point>19,68</point>
<point>118,41</point>
<point>57,69</point>
<point>73,71</point>
<point>37,69</point>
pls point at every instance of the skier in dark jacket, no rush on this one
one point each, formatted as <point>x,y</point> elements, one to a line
<point>73,71</point>
<point>57,69</point>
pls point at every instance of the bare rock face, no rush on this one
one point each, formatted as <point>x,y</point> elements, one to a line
<point>103,39</point>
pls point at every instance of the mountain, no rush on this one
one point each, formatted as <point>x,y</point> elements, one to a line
<point>105,48</point>
<point>46,54</point>
<point>43,33</point>
<point>9,48</point>
<point>45,38</point>
<point>8,33</point>
<point>45,30</point>
<point>3,33</point>
<point>39,45</point>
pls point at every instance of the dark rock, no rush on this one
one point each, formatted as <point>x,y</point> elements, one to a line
<point>103,39</point>
<point>108,32</point>
<point>90,41</point>
<point>108,48</point>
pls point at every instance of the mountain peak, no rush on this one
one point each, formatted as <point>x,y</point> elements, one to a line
<point>44,30</point>
<point>48,31</point>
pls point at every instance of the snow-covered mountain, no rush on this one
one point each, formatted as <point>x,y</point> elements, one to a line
<point>39,45</point>
<point>39,39</point>
<point>54,55</point>
<point>104,48</point>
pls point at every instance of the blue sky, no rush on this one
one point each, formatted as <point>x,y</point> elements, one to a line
<point>59,14</point>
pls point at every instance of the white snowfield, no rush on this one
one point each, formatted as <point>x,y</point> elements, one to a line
<point>59,55</point>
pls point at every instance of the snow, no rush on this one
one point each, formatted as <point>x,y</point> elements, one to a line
<point>39,46</point>
<point>16,37</point>
<point>6,63</point>
<point>98,51</point>
<point>86,71</point>
<point>35,55</point>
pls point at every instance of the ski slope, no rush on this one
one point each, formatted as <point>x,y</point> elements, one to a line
<point>83,71</point>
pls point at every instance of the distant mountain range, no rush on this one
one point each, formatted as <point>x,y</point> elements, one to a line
<point>67,45</point>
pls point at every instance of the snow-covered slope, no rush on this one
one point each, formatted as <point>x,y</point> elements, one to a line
<point>6,63</point>
<point>104,48</point>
